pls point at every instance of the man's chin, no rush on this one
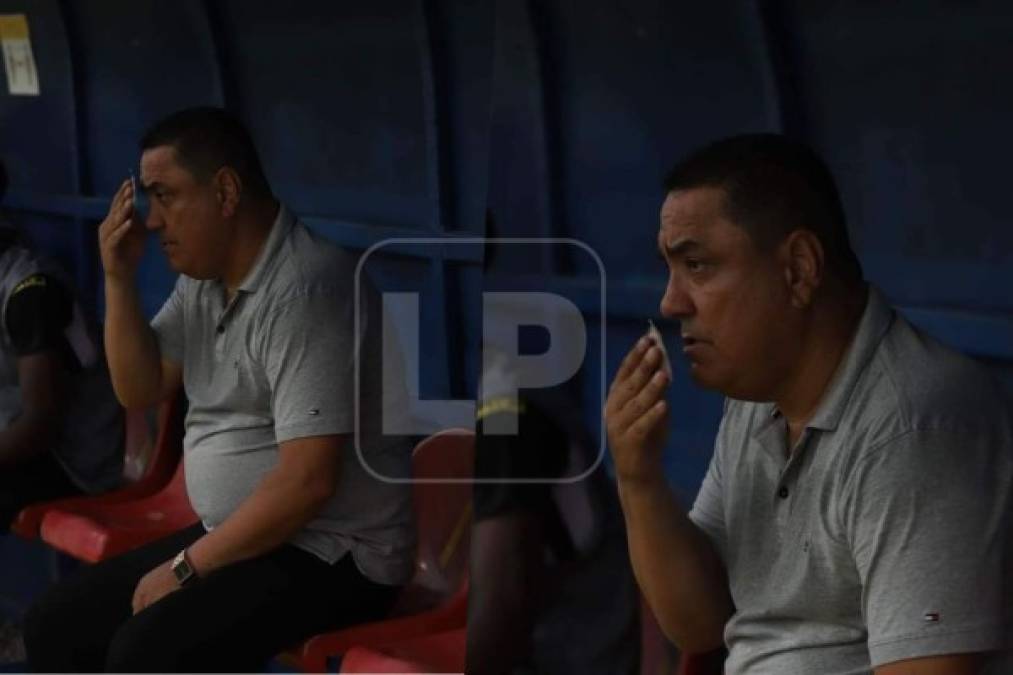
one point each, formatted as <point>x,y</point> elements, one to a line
<point>197,276</point>
<point>706,378</point>
<point>701,376</point>
<point>173,260</point>
<point>180,267</point>
<point>727,385</point>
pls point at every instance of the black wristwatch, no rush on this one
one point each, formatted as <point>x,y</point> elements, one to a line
<point>181,567</point>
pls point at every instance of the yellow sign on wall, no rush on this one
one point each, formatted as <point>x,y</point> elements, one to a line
<point>19,62</point>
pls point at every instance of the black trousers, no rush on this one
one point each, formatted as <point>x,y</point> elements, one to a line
<point>234,619</point>
<point>36,480</point>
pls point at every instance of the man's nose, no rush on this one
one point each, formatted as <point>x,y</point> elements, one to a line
<point>676,302</point>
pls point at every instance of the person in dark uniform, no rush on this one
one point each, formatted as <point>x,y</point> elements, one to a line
<point>61,430</point>
<point>547,538</point>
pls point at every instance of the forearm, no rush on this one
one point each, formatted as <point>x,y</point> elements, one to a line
<point>676,566</point>
<point>278,508</point>
<point>131,349</point>
<point>506,580</point>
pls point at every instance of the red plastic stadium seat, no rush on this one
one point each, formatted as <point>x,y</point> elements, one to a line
<point>159,460</point>
<point>365,660</point>
<point>436,600</point>
<point>440,653</point>
<point>97,530</point>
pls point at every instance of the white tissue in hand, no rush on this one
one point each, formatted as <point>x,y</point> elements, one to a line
<point>655,335</point>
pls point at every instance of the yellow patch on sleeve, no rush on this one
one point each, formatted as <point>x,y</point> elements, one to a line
<point>501,404</point>
<point>36,280</point>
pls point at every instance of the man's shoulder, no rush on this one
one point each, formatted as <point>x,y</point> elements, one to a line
<point>922,384</point>
<point>311,263</point>
<point>917,398</point>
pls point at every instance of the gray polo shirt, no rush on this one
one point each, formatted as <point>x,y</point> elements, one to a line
<point>277,364</point>
<point>886,535</point>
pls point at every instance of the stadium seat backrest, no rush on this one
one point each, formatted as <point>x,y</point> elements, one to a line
<point>442,467</point>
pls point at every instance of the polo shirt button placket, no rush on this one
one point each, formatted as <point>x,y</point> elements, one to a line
<point>782,510</point>
<point>220,339</point>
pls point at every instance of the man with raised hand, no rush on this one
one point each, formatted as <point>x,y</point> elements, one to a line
<point>296,535</point>
<point>856,514</point>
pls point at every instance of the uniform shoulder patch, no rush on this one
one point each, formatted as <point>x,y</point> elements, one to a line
<point>34,281</point>
<point>501,404</point>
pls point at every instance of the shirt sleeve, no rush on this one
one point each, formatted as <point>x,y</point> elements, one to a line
<point>38,312</point>
<point>308,348</point>
<point>708,512</point>
<point>928,516</point>
<point>168,324</point>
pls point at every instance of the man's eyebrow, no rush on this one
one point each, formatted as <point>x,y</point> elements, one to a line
<point>681,246</point>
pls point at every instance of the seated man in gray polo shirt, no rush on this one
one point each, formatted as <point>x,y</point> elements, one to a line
<point>296,536</point>
<point>856,515</point>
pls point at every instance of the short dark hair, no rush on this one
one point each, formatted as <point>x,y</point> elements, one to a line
<point>773,185</point>
<point>207,139</point>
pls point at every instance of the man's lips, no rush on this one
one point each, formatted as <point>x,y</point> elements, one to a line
<point>690,343</point>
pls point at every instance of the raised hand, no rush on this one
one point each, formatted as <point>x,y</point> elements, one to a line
<point>636,414</point>
<point>120,237</point>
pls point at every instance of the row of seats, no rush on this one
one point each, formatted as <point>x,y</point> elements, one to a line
<point>95,528</point>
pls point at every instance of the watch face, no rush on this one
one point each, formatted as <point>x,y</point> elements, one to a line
<point>181,568</point>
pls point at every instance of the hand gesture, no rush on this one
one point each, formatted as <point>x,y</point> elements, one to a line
<point>121,239</point>
<point>636,414</point>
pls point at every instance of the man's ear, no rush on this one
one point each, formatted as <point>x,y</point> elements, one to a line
<point>229,189</point>
<point>801,256</point>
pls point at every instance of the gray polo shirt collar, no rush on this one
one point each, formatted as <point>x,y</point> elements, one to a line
<point>283,224</point>
<point>876,320</point>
